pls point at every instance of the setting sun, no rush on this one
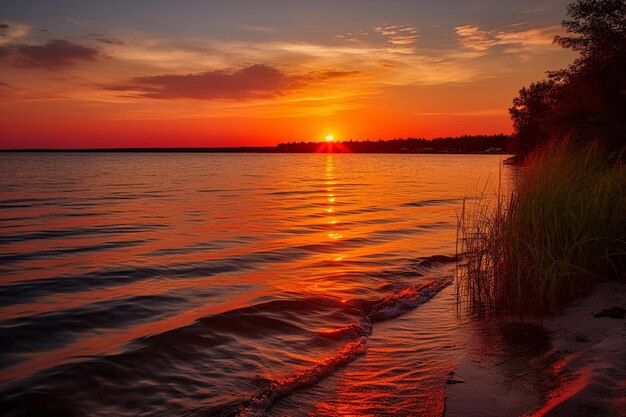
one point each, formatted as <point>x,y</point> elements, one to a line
<point>329,138</point>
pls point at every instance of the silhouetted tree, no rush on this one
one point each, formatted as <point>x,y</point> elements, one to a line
<point>529,112</point>
<point>597,30</point>
<point>586,101</point>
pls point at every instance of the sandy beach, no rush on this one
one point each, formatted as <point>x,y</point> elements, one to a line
<point>573,364</point>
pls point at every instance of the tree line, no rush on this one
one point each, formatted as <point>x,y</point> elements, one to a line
<point>463,144</point>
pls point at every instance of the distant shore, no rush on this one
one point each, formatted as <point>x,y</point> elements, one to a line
<point>479,144</point>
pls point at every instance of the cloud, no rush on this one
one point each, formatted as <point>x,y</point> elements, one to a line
<point>55,54</point>
<point>474,38</point>
<point>404,36</point>
<point>355,36</point>
<point>253,82</point>
<point>79,22</point>
<point>469,113</point>
<point>256,29</point>
<point>9,32</point>
<point>397,38</point>
<point>111,41</point>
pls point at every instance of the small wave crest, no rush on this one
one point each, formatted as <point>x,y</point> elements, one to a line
<point>282,387</point>
<point>359,328</point>
<point>399,303</point>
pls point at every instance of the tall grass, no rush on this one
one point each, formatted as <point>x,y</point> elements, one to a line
<point>560,230</point>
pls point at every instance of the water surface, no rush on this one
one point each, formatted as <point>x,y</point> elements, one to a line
<point>229,284</point>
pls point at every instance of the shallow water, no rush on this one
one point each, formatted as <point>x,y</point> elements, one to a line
<point>229,284</point>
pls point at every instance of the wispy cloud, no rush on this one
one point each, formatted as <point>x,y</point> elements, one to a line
<point>396,38</point>
<point>10,32</point>
<point>79,22</point>
<point>256,29</point>
<point>468,113</point>
<point>474,38</point>
<point>355,36</point>
<point>399,35</point>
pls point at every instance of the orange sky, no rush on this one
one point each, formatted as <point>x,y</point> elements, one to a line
<point>98,80</point>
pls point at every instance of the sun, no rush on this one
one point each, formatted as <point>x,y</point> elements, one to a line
<point>329,138</point>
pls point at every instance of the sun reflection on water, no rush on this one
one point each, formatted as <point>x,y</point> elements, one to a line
<point>331,202</point>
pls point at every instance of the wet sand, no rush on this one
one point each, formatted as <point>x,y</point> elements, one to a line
<point>572,365</point>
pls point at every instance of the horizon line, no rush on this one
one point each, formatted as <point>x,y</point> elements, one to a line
<point>243,148</point>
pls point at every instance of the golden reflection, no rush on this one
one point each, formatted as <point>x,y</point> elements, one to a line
<point>330,180</point>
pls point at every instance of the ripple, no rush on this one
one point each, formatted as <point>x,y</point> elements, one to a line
<point>80,232</point>
<point>52,330</point>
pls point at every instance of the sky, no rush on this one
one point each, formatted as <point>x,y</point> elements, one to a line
<point>165,73</point>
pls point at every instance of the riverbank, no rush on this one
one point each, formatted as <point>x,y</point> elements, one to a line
<point>571,365</point>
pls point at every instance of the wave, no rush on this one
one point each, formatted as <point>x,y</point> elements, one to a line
<point>75,232</point>
<point>209,341</point>
<point>406,300</point>
<point>21,292</point>
<point>283,387</point>
<point>63,327</point>
<point>356,328</point>
<point>388,308</point>
<point>67,252</point>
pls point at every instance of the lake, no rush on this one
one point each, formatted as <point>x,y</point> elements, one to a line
<point>230,284</point>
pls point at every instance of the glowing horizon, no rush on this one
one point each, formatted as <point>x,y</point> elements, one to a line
<point>85,75</point>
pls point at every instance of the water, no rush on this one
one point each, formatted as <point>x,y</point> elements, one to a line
<point>229,284</point>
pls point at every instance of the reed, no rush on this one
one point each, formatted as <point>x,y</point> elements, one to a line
<point>561,229</point>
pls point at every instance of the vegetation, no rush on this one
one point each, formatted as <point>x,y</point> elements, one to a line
<point>587,101</point>
<point>563,226</point>
<point>463,144</point>
<point>562,229</point>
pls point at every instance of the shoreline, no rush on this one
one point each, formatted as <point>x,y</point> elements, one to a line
<point>579,370</point>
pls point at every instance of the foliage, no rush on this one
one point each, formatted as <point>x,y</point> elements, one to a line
<point>597,29</point>
<point>533,103</point>
<point>562,229</point>
<point>586,101</point>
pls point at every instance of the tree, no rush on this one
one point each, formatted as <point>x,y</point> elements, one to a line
<point>529,112</point>
<point>587,100</point>
<point>597,30</point>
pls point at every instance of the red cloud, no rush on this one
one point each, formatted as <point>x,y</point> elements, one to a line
<point>253,82</point>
